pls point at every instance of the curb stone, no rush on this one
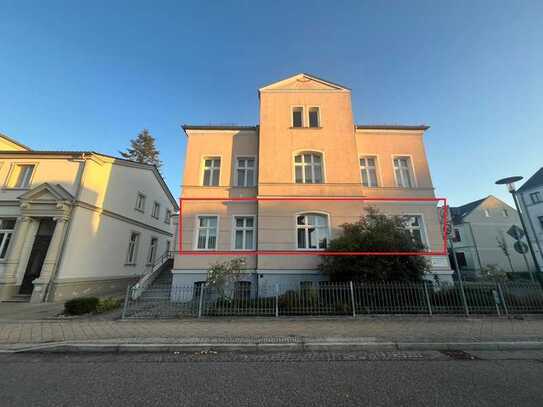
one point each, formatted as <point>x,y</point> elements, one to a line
<point>301,346</point>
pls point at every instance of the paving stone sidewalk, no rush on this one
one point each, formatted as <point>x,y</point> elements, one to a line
<point>276,330</point>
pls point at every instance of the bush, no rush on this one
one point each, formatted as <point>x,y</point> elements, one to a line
<point>108,304</point>
<point>80,306</point>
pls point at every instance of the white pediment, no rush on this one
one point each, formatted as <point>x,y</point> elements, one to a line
<point>303,81</point>
<point>47,193</point>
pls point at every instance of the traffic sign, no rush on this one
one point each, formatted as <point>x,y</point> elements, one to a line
<point>515,232</point>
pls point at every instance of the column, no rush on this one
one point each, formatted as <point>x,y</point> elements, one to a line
<point>51,261</point>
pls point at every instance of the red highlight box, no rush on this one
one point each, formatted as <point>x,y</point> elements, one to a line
<point>241,253</point>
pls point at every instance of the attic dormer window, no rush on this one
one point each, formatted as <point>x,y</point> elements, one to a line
<point>298,117</point>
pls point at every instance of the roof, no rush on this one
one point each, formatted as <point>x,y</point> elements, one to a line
<point>216,127</point>
<point>14,141</point>
<point>460,212</point>
<point>303,75</point>
<point>535,180</point>
<point>392,127</point>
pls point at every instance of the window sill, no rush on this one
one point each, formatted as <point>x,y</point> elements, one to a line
<point>155,217</point>
<point>305,128</point>
<point>130,264</point>
<point>139,210</point>
<point>16,188</point>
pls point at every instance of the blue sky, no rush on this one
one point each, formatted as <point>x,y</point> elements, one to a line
<point>90,75</point>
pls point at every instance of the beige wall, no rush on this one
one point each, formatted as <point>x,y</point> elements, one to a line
<point>276,143</point>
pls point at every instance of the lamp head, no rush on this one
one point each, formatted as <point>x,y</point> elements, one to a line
<point>510,182</point>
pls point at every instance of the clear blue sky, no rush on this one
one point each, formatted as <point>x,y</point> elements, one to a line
<point>92,74</point>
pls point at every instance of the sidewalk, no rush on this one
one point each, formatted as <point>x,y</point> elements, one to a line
<point>374,331</point>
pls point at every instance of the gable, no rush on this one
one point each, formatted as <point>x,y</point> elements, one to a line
<point>303,82</point>
<point>8,144</point>
<point>47,193</point>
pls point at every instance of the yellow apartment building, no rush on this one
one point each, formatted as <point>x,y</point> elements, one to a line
<point>306,145</point>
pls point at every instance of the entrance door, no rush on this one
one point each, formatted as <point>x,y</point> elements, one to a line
<point>37,255</point>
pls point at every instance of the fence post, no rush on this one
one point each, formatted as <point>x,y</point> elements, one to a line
<point>277,300</point>
<point>502,297</point>
<point>123,315</point>
<point>427,297</point>
<point>464,299</point>
<point>352,298</point>
<point>201,302</point>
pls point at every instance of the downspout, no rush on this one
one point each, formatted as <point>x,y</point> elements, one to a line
<point>80,173</point>
<point>524,208</point>
<point>475,246</point>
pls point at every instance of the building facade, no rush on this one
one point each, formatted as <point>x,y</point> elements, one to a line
<point>305,146</point>
<point>530,197</point>
<point>77,223</point>
<point>480,237</point>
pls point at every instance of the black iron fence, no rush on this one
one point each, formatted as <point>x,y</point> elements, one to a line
<point>350,298</point>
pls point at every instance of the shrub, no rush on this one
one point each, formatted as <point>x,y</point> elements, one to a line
<point>80,306</point>
<point>108,304</point>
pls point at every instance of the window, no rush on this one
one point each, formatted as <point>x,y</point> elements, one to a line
<point>540,221</point>
<point>156,210</point>
<point>212,171</point>
<point>242,290</point>
<point>207,233</point>
<point>312,231</point>
<point>152,251</point>
<point>197,289</point>
<point>461,259</point>
<point>505,213</point>
<point>402,171</point>
<point>244,232</point>
<point>297,117</point>
<point>486,213</point>
<point>21,176</point>
<point>308,168</point>
<point>168,217</point>
<point>368,170</point>
<point>414,225</point>
<point>314,118</point>
<point>132,248</point>
<point>140,202</point>
<point>245,172</point>
<point>457,237</point>
<point>6,233</point>
<point>536,197</point>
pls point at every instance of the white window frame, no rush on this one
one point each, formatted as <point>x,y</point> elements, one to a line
<point>319,124</point>
<point>144,199</point>
<point>153,250</point>
<point>486,213</point>
<point>8,237</point>
<point>295,164</point>
<point>156,210</point>
<point>168,217</point>
<point>535,197</point>
<point>411,169</point>
<point>292,108</point>
<point>421,227</point>
<point>237,167</point>
<point>244,229</point>
<point>306,228</point>
<point>133,261</point>
<point>377,170</point>
<point>505,212</point>
<point>12,168</point>
<point>197,232</point>
<point>212,168</point>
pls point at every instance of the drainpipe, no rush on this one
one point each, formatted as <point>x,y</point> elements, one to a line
<point>81,171</point>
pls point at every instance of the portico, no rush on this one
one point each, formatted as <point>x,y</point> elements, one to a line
<point>37,242</point>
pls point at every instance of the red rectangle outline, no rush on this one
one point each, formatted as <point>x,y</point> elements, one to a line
<point>241,253</point>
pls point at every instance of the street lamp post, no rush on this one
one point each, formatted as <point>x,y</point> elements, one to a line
<point>510,182</point>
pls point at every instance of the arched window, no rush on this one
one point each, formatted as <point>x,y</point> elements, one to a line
<point>308,168</point>
<point>312,231</point>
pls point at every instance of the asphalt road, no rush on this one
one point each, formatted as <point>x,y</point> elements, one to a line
<point>280,379</point>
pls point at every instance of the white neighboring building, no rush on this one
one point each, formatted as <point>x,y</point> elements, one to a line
<point>78,223</point>
<point>477,228</point>
<point>530,197</point>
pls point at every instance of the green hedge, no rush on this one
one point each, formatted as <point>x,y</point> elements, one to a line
<point>80,306</point>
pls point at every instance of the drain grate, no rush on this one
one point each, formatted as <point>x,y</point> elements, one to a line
<point>459,355</point>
